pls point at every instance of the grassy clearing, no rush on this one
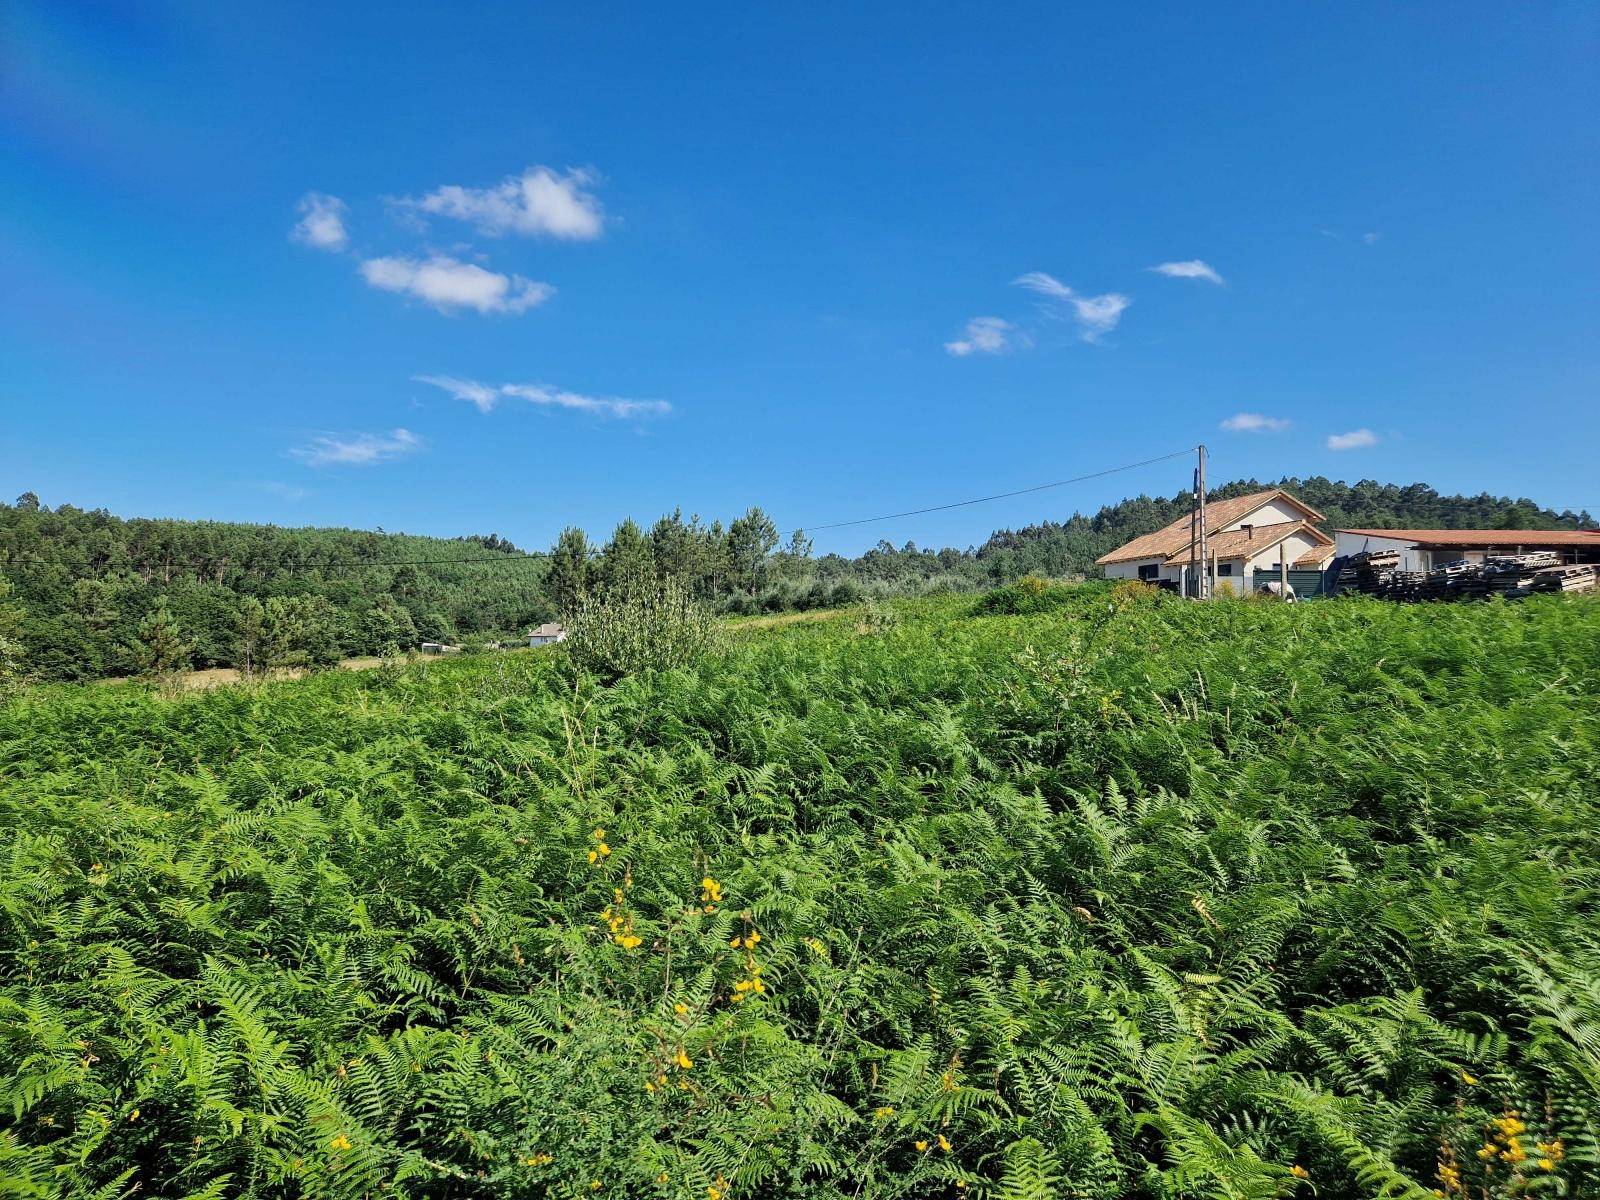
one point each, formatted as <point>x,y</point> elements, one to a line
<point>1119,898</point>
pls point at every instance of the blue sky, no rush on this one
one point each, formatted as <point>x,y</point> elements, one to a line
<point>508,267</point>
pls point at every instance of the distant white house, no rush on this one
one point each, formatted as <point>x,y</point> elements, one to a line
<point>1248,538</point>
<point>439,648</point>
<point>1426,549</point>
<point>546,635</point>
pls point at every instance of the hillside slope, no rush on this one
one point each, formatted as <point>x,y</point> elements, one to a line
<point>1132,898</point>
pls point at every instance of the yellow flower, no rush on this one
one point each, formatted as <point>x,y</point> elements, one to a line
<point>1467,1079</point>
<point>684,1061</point>
<point>595,1185</point>
<point>944,1143</point>
<point>1547,1164</point>
<point>628,941</point>
<point>751,940</point>
<point>884,1113</point>
<point>339,1143</point>
<point>663,1177</point>
<point>921,1147</point>
<point>599,835</point>
<point>1299,1172</point>
<point>593,857</point>
<point>680,1009</point>
<point>603,849</point>
<point>134,1115</point>
<point>736,943</point>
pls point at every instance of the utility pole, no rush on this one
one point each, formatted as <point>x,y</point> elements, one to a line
<point>1200,502</point>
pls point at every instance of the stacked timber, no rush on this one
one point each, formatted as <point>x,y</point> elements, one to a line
<point>1564,579</point>
<point>1513,574</point>
<point>1406,587</point>
<point>1370,572</point>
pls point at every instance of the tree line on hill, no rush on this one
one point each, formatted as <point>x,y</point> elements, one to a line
<point>84,594</point>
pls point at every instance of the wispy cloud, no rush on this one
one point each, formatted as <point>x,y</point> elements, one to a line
<point>450,284</point>
<point>287,491</point>
<point>1193,268</point>
<point>321,223</point>
<point>1255,423</point>
<point>983,335</point>
<point>484,396</point>
<point>1354,440</point>
<point>604,406</point>
<point>358,449</point>
<point>480,394</point>
<point>537,203</point>
<point>1095,315</point>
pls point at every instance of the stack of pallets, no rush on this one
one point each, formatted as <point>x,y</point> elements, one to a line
<point>1564,579</point>
<point>1369,572</point>
<point>1513,574</point>
<point>1406,587</point>
<point>1454,580</point>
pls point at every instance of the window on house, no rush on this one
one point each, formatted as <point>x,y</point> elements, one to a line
<point>1224,569</point>
<point>1149,572</point>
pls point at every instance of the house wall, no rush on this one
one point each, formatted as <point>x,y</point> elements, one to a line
<point>1130,569</point>
<point>1264,566</point>
<point>1274,512</point>
<point>1411,559</point>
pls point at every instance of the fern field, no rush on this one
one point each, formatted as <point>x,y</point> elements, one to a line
<point>1125,897</point>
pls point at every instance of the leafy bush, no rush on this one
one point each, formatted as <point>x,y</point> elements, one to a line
<point>1162,901</point>
<point>1033,594</point>
<point>645,627</point>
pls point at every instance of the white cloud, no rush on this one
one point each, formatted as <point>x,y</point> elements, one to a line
<point>450,284</point>
<point>983,335</point>
<point>538,202</point>
<point>482,395</point>
<point>321,223</point>
<point>1354,440</point>
<point>1255,423</point>
<point>1192,268</point>
<point>1095,315</point>
<point>357,450</point>
<point>486,395</point>
<point>285,490</point>
<point>604,406</point>
<point>1045,285</point>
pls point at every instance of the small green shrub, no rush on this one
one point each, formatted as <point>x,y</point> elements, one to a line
<point>649,627</point>
<point>1032,594</point>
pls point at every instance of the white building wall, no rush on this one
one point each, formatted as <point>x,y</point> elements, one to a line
<point>1274,512</point>
<point>1411,559</point>
<point>1130,569</point>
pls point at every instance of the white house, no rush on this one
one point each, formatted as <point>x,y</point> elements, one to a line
<point>546,634</point>
<point>1248,538</point>
<point>1425,549</point>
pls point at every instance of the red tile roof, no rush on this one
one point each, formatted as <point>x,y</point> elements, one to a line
<point>1167,543</point>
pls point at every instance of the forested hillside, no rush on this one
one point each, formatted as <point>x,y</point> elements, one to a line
<point>95,595</point>
<point>87,581</point>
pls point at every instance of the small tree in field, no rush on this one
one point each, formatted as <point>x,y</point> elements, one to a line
<point>649,627</point>
<point>161,648</point>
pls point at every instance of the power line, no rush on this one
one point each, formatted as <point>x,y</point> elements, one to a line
<point>917,512</point>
